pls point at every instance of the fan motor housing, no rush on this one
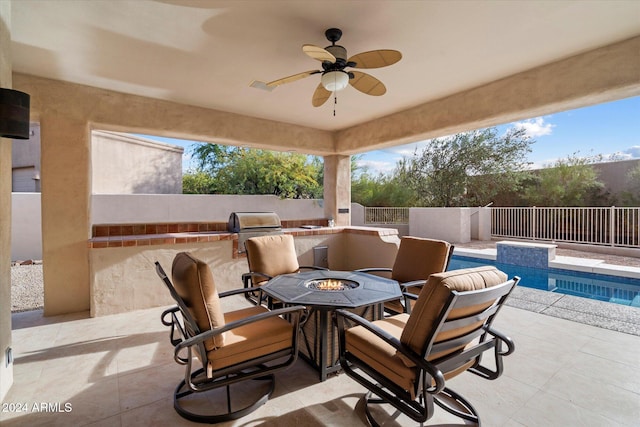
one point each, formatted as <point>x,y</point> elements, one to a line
<point>338,51</point>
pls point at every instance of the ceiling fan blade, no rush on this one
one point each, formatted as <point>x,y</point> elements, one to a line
<point>320,96</point>
<point>318,53</point>
<point>292,78</point>
<point>368,84</point>
<point>376,58</point>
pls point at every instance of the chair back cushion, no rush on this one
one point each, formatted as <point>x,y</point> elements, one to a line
<point>433,299</point>
<point>272,255</point>
<point>418,258</point>
<point>194,283</point>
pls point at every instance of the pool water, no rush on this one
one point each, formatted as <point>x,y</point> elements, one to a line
<point>619,290</point>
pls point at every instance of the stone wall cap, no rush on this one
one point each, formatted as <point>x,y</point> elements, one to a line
<point>527,244</point>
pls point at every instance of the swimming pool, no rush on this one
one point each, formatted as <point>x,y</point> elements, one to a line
<point>618,290</point>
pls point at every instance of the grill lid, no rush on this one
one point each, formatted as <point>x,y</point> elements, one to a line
<point>253,221</point>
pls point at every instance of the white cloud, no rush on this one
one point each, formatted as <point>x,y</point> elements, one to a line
<point>406,150</point>
<point>376,167</point>
<point>628,154</point>
<point>535,127</point>
<point>632,152</point>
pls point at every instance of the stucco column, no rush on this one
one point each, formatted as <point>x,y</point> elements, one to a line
<point>65,151</point>
<point>337,189</point>
<point>6,370</point>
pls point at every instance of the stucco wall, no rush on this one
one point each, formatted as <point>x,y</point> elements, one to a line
<point>614,175</point>
<point>26,226</point>
<point>141,208</point>
<point>362,251</point>
<point>337,189</point>
<point>124,279</point>
<point>480,222</point>
<point>450,224</point>
<point>123,164</point>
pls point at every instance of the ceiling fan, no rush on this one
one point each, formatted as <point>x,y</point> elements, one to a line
<point>334,62</point>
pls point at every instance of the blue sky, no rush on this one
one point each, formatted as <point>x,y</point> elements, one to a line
<point>610,129</point>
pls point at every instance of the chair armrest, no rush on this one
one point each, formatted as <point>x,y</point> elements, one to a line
<point>375,269</point>
<point>413,284</point>
<point>195,340</point>
<point>410,295</point>
<point>239,291</point>
<point>174,323</point>
<point>312,267</point>
<point>247,276</point>
<point>494,370</point>
<point>164,314</point>
<point>511,346</point>
<point>420,362</point>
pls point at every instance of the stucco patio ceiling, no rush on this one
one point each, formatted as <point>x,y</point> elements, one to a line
<point>206,53</point>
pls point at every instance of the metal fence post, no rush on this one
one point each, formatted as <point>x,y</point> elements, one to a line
<point>534,210</point>
<point>612,224</point>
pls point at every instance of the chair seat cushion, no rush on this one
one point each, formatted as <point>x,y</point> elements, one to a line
<point>379,355</point>
<point>252,340</point>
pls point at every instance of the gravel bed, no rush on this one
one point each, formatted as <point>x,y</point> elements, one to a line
<point>27,289</point>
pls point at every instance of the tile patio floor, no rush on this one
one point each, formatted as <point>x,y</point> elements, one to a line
<point>118,371</point>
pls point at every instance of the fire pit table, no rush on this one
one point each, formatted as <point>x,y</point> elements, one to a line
<point>323,291</point>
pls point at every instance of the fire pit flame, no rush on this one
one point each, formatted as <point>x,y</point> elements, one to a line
<point>331,284</point>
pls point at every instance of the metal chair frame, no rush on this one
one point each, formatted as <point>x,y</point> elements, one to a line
<point>430,386</point>
<point>188,341</point>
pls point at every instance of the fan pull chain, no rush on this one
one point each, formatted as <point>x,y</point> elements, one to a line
<point>335,101</point>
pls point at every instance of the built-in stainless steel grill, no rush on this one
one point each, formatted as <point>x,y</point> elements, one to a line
<point>252,224</point>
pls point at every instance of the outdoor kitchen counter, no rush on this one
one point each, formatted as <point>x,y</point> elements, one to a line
<point>176,238</point>
<point>122,276</point>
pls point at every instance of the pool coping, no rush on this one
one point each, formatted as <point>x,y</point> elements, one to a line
<point>606,315</point>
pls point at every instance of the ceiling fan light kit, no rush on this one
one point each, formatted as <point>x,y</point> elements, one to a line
<point>334,81</point>
<point>334,78</point>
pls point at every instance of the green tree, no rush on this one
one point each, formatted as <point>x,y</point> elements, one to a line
<point>567,182</point>
<point>197,182</point>
<point>235,170</point>
<point>212,157</point>
<point>467,169</point>
<point>380,191</point>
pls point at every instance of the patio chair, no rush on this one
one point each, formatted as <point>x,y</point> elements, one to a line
<point>229,348</point>
<point>406,359</point>
<point>268,257</point>
<point>416,260</point>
